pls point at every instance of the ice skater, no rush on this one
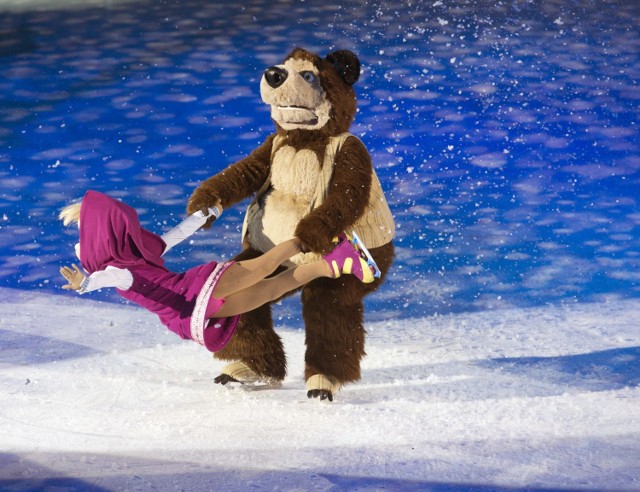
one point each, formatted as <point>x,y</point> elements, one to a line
<point>205,302</point>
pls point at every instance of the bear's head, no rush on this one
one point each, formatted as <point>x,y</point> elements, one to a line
<point>307,92</point>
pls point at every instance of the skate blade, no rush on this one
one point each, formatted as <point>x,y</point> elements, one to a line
<point>261,385</point>
<point>357,242</point>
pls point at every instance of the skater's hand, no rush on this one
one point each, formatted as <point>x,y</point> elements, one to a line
<point>72,275</point>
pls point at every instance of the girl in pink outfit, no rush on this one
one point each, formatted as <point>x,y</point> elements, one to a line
<point>205,302</point>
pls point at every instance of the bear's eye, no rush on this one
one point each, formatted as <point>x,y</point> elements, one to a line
<point>309,77</point>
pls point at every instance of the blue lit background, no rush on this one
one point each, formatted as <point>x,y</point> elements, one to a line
<point>505,134</point>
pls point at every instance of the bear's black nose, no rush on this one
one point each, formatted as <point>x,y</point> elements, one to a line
<point>275,76</point>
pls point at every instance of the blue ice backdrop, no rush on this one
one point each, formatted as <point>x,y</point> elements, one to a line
<point>505,134</point>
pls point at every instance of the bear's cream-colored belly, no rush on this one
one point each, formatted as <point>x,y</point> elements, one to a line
<point>294,178</point>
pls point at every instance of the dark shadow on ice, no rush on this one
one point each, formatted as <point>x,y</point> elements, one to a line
<point>500,378</point>
<point>602,370</point>
<point>27,349</point>
<point>97,473</point>
<point>18,474</point>
<point>67,484</point>
<point>378,484</point>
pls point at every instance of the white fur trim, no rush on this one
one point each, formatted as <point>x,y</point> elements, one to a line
<point>120,278</point>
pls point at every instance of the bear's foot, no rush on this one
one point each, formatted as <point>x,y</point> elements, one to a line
<point>321,386</point>
<point>224,379</point>
<point>239,372</point>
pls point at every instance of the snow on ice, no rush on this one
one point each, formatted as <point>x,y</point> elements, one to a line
<point>95,396</point>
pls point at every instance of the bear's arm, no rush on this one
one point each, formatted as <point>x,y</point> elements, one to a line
<point>347,197</point>
<point>236,182</point>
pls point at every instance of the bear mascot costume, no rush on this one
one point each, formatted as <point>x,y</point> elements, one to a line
<point>310,179</point>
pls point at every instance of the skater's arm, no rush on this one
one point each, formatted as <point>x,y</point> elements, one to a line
<point>189,226</point>
<point>120,278</point>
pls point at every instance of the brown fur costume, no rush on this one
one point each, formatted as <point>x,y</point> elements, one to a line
<point>312,102</point>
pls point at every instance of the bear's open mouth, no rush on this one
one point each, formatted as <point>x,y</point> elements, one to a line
<point>293,106</point>
<point>295,115</point>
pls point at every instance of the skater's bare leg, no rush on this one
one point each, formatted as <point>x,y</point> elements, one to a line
<point>245,273</point>
<point>270,289</point>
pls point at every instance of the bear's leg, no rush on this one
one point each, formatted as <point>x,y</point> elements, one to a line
<point>334,323</point>
<point>255,348</point>
<point>333,313</point>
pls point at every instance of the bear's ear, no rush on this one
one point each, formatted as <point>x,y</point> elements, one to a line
<point>347,65</point>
